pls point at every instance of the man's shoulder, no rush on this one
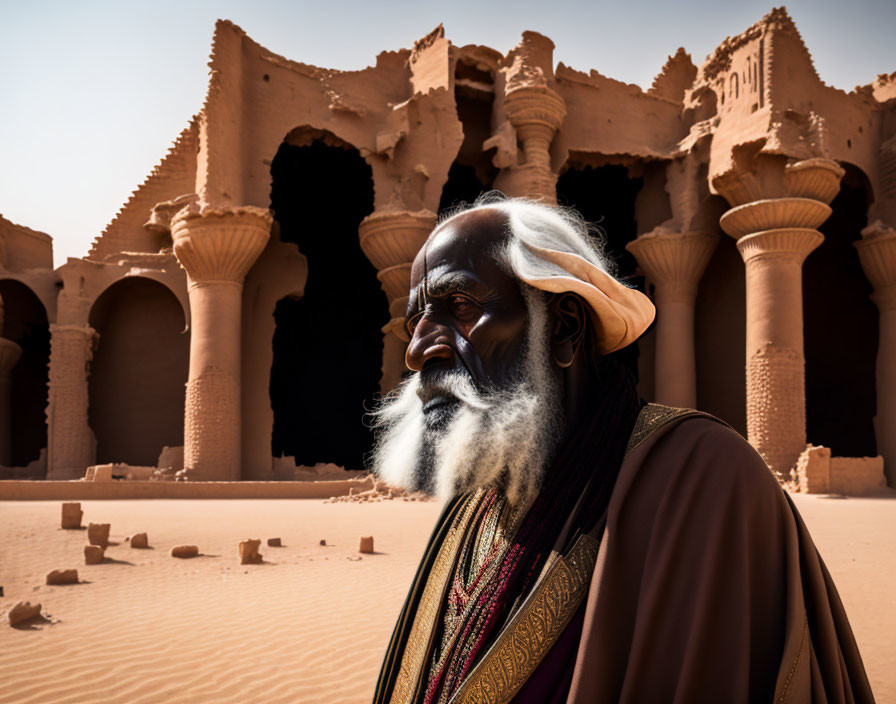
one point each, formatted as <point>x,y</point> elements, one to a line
<point>703,453</point>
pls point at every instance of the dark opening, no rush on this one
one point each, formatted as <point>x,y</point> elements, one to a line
<point>605,196</point>
<point>841,330</point>
<point>462,186</point>
<point>720,324</point>
<point>328,345</point>
<point>472,172</point>
<point>138,372</point>
<point>25,323</point>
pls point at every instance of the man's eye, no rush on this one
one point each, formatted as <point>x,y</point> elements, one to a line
<point>461,305</point>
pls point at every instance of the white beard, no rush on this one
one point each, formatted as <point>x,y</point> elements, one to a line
<point>500,438</point>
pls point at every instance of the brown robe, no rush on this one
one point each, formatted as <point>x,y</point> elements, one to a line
<point>707,586</point>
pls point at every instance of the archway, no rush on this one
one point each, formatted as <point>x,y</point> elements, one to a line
<point>25,323</point>
<point>841,329</point>
<point>138,373</point>
<point>605,196</point>
<point>327,345</point>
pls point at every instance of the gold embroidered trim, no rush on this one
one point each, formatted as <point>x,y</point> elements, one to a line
<point>454,622</point>
<point>653,417</point>
<point>533,630</point>
<point>417,646</point>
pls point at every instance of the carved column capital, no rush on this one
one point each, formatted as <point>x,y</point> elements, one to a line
<point>817,178</point>
<point>877,253</point>
<point>674,261</point>
<point>391,240</point>
<point>772,213</point>
<point>536,113</point>
<point>219,244</point>
<point>794,243</point>
<point>774,177</point>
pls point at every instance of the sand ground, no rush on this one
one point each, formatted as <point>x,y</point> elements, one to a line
<point>309,625</point>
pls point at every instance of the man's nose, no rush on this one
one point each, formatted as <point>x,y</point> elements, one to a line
<point>430,340</point>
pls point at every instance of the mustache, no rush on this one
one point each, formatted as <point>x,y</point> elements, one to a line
<point>454,382</point>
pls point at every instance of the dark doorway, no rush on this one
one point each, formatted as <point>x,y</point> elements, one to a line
<point>841,330</point>
<point>605,196</point>
<point>462,186</point>
<point>720,327</point>
<point>472,172</point>
<point>25,323</point>
<point>138,373</point>
<point>328,345</point>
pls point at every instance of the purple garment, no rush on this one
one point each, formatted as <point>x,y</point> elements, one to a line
<point>549,684</point>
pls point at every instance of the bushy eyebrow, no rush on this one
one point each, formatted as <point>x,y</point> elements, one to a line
<point>441,287</point>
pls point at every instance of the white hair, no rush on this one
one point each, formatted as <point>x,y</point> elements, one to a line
<point>533,224</point>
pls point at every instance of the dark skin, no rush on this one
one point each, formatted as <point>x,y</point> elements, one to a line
<point>465,312</point>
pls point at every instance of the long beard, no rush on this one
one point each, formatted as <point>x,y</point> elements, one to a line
<point>500,437</point>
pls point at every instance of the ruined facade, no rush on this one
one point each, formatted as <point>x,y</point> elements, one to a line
<point>247,302</point>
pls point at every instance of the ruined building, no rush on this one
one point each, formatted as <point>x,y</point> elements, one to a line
<point>247,301</point>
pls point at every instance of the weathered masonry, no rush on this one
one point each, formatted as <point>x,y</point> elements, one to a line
<point>246,303</point>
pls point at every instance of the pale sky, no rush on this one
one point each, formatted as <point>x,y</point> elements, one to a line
<point>93,93</point>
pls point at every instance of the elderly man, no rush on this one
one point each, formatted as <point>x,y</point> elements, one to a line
<point>592,548</point>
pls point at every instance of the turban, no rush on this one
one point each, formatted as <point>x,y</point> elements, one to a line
<point>621,314</point>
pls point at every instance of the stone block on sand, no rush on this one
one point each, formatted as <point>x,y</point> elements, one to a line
<point>183,551</point>
<point>249,554</point>
<point>21,612</point>
<point>98,534</point>
<point>93,554</point>
<point>139,540</point>
<point>71,515</point>
<point>323,541</point>
<point>366,544</point>
<point>62,577</point>
<point>274,543</point>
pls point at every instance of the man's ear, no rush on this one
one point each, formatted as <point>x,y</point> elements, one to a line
<point>569,315</point>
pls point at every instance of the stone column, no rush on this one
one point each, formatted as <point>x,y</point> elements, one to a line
<point>674,263</point>
<point>216,247</point>
<point>391,240</point>
<point>71,445</point>
<point>774,236</point>
<point>877,252</point>
<point>536,113</point>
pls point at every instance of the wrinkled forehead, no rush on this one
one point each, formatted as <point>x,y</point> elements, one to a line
<point>466,243</point>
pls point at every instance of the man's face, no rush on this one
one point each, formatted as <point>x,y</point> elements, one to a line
<point>465,313</point>
<point>483,407</point>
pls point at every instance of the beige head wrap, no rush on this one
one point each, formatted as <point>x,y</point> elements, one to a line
<point>621,314</point>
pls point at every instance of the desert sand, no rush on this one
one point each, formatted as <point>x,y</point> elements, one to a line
<point>308,624</point>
